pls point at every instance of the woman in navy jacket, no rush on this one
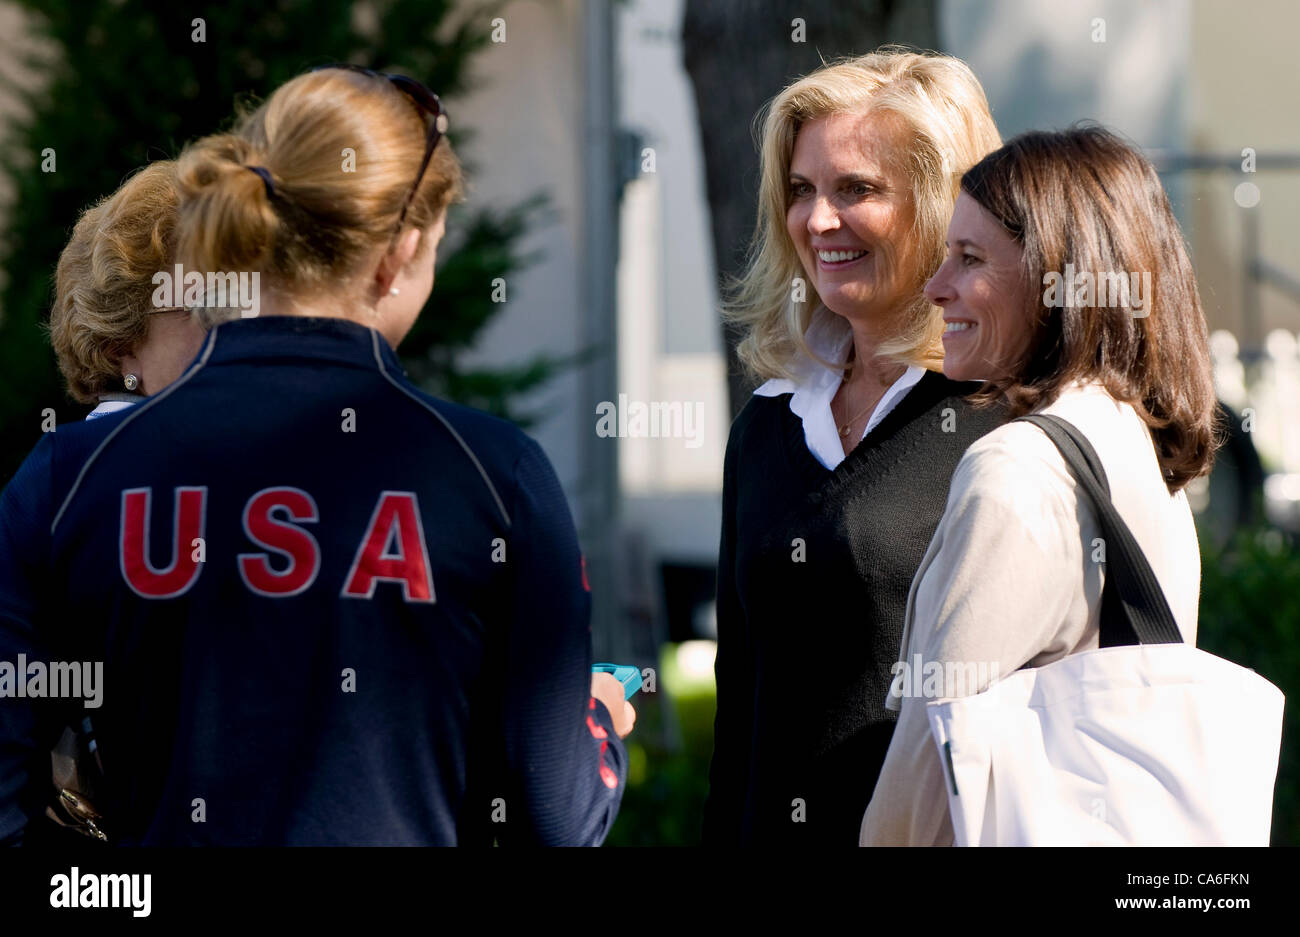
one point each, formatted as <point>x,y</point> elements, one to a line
<point>330,609</point>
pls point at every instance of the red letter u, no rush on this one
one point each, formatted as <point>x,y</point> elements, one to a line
<point>139,572</point>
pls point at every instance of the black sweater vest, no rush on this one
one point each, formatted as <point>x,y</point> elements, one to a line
<point>813,577</point>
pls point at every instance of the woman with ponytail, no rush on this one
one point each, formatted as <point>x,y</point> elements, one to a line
<point>330,609</point>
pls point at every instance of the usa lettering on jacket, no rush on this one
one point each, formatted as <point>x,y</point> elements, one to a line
<point>273,519</point>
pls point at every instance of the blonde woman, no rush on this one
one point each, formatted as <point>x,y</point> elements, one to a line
<point>837,469</point>
<point>113,344</point>
<point>330,608</point>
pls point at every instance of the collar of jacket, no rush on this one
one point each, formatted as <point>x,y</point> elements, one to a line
<point>281,337</point>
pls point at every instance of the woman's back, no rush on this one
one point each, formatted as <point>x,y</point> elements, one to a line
<point>375,568</point>
<point>1162,523</point>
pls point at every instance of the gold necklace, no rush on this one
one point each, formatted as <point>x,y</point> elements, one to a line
<point>844,430</point>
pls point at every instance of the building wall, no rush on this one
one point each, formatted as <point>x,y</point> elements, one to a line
<point>527,117</point>
<point>1244,91</point>
<point>670,334</point>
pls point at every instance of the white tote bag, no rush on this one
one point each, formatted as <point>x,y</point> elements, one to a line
<point>1145,741</point>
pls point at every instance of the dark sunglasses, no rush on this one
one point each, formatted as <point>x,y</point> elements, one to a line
<point>426,102</point>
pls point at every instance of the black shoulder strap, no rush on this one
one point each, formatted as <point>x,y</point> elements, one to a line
<point>1134,609</point>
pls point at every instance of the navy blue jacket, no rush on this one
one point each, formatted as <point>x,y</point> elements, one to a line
<point>331,609</point>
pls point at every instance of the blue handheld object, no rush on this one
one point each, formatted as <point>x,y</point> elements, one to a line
<point>625,674</point>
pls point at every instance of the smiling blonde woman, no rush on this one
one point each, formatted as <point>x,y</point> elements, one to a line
<point>837,469</point>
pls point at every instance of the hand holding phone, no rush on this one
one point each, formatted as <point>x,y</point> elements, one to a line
<point>627,675</point>
<point>611,691</point>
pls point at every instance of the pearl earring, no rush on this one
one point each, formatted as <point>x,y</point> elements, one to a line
<point>131,381</point>
<point>393,291</point>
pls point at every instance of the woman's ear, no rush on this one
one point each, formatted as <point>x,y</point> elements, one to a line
<point>395,260</point>
<point>130,364</point>
<point>437,230</point>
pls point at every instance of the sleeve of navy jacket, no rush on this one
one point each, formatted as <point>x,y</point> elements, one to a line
<point>23,546</point>
<point>566,765</point>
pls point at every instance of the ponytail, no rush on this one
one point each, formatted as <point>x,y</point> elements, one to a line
<point>227,220</point>
<point>305,188</point>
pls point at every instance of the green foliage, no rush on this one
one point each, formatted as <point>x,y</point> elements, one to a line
<point>462,302</point>
<point>127,85</point>
<point>1250,615</point>
<point>668,755</point>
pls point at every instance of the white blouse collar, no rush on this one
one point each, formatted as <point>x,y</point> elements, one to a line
<point>111,403</point>
<point>813,386</point>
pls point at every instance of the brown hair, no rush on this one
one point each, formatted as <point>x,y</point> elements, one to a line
<point>342,150</point>
<point>103,285</point>
<point>1086,198</point>
<point>941,110</point>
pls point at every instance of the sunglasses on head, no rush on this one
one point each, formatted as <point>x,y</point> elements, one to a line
<point>426,102</point>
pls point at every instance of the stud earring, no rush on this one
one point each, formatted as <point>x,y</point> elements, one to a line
<point>131,381</point>
<point>393,291</point>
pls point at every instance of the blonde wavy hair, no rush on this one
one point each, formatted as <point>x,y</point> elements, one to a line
<point>942,107</point>
<point>342,150</point>
<point>103,287</point>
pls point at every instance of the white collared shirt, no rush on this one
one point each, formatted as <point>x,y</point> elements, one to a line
<point>813,387</point>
